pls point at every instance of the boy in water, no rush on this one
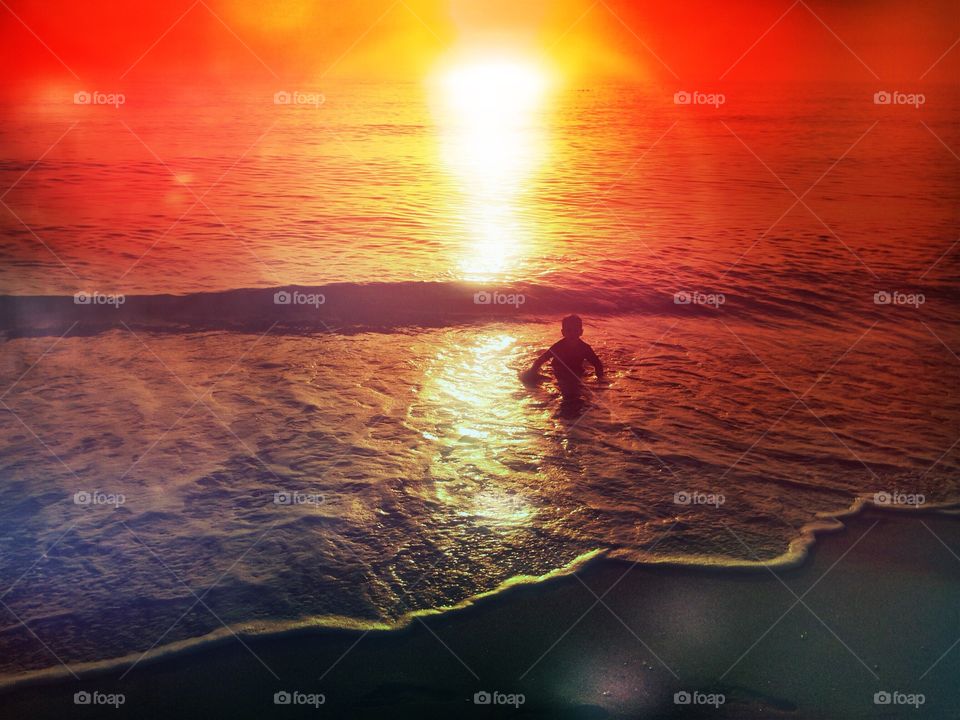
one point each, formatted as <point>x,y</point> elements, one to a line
<point>568,356</point>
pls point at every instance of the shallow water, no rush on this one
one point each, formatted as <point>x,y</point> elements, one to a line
<point>424,473</point>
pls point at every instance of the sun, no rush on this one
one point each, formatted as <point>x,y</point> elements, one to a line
<point>495,92</point>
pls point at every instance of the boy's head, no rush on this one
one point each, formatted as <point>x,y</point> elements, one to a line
<point>571,326</point>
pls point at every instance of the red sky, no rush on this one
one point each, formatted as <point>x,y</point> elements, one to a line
<point>299,40</point>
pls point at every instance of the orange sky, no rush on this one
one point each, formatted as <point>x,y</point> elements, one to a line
<point>310,42</point>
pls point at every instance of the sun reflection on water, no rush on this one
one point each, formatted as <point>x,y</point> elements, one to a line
<point>467,409</point>
<point>491,142</point>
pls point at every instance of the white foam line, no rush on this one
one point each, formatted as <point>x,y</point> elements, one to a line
<point>796,553</point>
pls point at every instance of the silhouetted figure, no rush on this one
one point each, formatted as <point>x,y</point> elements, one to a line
<point>567,356</point>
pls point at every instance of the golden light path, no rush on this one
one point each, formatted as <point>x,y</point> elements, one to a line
<point>467,408</point>
<point>491,142</point>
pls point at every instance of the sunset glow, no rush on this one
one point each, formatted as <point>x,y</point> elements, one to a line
<point>479,358</point>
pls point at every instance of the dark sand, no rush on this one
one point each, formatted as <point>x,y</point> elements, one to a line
<point>891,600</point>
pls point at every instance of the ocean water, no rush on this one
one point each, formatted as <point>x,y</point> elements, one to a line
<point>771,284</point>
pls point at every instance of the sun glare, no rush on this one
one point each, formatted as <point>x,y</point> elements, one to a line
<point>495,93</point>
<point>492,141</point>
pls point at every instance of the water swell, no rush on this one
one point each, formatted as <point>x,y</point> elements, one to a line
<point>341,306</point>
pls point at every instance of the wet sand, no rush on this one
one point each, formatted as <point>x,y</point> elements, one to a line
<point>879,607</point>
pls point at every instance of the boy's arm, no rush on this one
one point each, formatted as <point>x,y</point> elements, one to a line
<point>595,361</point>
<point>541,359</point>
<point>532,376</point>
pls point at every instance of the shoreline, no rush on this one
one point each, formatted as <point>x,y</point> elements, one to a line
<point>796,554</point>
<point>504,601</point>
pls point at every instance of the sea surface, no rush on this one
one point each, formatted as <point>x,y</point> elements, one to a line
<point>288,394</point>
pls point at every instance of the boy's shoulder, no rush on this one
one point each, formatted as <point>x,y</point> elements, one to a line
<point>571,343</point>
